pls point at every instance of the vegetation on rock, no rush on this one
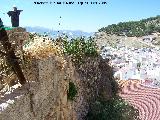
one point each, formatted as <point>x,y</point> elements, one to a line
<point>79,48</point>
<point>72,92</point>
<point>101,92</point>
<point>114,109</point>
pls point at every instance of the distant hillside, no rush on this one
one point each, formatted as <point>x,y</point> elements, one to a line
<point>134,28</point>
<point>55,33</point>
<point>103,39</point>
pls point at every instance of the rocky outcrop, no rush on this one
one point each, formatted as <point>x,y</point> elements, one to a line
<point>44,96</point>
<point>17,36</point>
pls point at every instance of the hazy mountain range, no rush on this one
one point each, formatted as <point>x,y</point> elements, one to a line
<point>55,33</point>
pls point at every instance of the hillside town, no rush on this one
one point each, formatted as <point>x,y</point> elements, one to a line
<point>94,63</point>
<point>132,63</point>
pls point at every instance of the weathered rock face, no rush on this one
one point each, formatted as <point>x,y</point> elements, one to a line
<point>97,81</point>
<point>12,45</point>
<point>30,71</point>
<point>44,100</point>
<point>17,36</point>
<point>45,97</point>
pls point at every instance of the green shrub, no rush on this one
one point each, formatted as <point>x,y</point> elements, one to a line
<point>114,109</point>
<point>79,48</point>
<point>72,92</point>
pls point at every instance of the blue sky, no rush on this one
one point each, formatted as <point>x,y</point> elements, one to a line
<point>87,18</point>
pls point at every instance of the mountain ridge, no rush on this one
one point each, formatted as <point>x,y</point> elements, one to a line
<point>55,33</point>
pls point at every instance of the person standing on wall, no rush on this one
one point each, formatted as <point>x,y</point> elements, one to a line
<point>14,16</point>
<point>1,23</point>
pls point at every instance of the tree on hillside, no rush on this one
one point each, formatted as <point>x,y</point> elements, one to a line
<point>134,28</point>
